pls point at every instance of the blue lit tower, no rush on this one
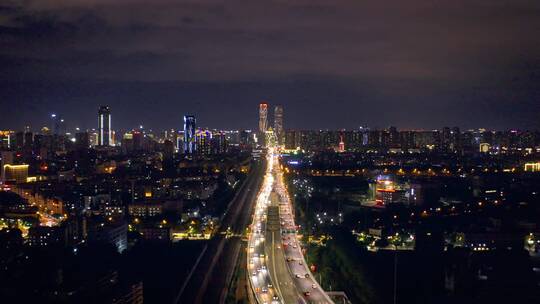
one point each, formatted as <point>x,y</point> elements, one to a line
<point>190,146</point>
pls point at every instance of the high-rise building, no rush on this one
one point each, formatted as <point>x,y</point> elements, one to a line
<point>393,138</point>
<point>190,146</point>
<point>246,137</point>
<point>203,139</point>
<point>6,138</point>
<point>28,140</point>
<point>219,143</point>
<point>82,140</point>
<point>341,146</point>
<point>104,126</point>
<point>137,140</point>
<point>263,117</point>
<point>278,124</point>
<point>58,125</point>
<point>168,151</point>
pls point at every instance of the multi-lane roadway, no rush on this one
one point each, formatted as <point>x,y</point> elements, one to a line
<point>278,270</point>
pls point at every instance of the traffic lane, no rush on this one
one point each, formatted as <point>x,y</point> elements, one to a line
<point>293,250</point>
<point>259,277</point>
<point>298,267</point>
<point>308,287</point>
<point>259,268</point>
<point>279,271</point>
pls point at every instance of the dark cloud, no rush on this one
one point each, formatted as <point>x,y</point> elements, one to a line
<point>331,63</point>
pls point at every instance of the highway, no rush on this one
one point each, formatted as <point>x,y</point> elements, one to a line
<point>257,262</point>
<point>210,277</point>
<point>278,271</point>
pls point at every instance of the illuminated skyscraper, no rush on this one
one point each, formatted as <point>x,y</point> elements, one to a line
<point>104,126</point>
<point>263,117</point>
<point>190,145</point>
<point>278,124</point>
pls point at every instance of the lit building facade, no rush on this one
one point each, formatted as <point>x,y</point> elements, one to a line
<point>203,140</point>
<point>104,126</point>
<point>17,173</point>
<point>278,124</point>
<point>263,117</point>
<point>532,167</point>
<point>6,139</point>
<point>190,145</point>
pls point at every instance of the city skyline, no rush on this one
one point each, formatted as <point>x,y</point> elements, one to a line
<point>69,126</point>
<point>58,125</point>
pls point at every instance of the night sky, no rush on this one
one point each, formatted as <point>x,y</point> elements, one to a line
<point>332,64</point>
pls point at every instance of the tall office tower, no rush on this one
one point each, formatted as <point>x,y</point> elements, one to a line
<point>190,145</point>
<point>455,139</point>
<point>246,138</point>
<point>82,140</point>
<point>104,126</point>
<point>18,143</point>
<point>445,139</point>
<point>58,125</point>
<point>278,124</point>
<point>263,117</point>
<point>55,123</point>
<point>28,143</point>
<point>393,137</point>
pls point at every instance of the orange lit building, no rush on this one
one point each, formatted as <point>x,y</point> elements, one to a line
<point>387,192</point>
<point>263,117</point>
<point>17,173</point>
<point>532,167</point>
